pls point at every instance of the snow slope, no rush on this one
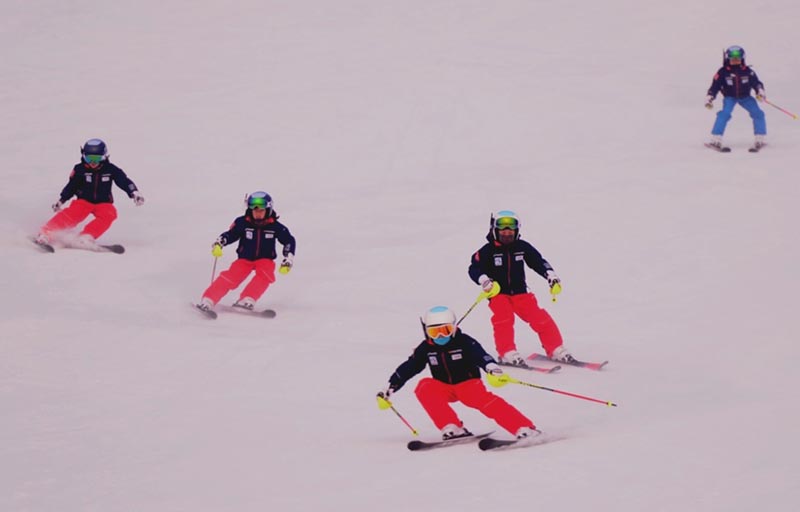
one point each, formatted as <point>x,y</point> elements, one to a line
<point>387,132</point>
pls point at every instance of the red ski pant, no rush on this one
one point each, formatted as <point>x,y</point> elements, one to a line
<point>104,215</point>
<point>525,306</point>
<point>238,272</point>
<point>435,397</point>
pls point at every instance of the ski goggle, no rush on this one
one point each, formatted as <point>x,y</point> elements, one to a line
<point>440,331</point>
<point>94,159</point>
<point>506,223</point>
<point>735,53</point>
<point>257,203</point>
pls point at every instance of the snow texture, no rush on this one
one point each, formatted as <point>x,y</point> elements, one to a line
<point>386,133</point>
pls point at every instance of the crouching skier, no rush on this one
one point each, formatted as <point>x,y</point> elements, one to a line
<point>455,361</point>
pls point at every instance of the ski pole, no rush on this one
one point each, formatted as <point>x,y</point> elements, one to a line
<point>383,404</point>
<point>214,269</point>
<point>793,116</point>
<point>483,295</point>
<point>505,379</point>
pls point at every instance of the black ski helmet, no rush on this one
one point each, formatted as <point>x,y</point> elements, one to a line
<point>260,200</point>
<point>94,151</point>
<point>732,52</point>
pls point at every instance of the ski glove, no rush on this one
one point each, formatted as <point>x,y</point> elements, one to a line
<point>286,264</point>
<point>709,102</point>
<point>138,199</point>
<point>57,206</point>
<point>486,283</point>
<point>761,95</point>
<point>493,369</point>
<point>216,250</point>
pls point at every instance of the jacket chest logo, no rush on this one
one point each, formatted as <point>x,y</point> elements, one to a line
<point>88,177</point>
<point>249,233</point>
<point>498,260</point>
<point>433,360</point>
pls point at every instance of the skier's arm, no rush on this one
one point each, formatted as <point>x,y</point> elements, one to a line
<point>536,262</point>
<point>233,234</point>
<point>123,182</point>
<point>716,85</point>
<point>412,366</point>
<point>70,188</point>
<point>476,266</point>
<point>758,85</point>
<point>477,354</point>
<point>287,241</point>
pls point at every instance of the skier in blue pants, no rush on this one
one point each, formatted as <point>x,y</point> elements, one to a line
<point>736,80</point>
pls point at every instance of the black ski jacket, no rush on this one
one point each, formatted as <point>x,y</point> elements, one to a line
<point>460,360</point>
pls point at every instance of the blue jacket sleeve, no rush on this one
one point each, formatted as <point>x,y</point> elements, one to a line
<point>123,182</point>
<point>234,232</point>
<point>287,241</point>
<point>476,264</point>
<point>535,261</point>
<point>70,188</point>
<point>477,354</point>
<point>716,84</point>
<point>755,83</point>
<point>412,366</point>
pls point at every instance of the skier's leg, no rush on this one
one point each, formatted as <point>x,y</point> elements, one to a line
<point>759,120</point>
<point>502,323</point>
<point>228,280</point>
<point>435,397</point>
<point>69,217</point>
<point>540,321</point>
<point>265,275</point>
<point>474,394</point>
<point>723,116</point>
<point>104,215</point>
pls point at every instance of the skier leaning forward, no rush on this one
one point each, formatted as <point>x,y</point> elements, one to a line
<point>455,360</point>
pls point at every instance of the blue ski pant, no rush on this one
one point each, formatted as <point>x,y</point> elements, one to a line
<point>750,105</point>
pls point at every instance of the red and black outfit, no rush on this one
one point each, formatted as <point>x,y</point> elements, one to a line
<point>256,251</point>
<point>505,264</point>
<point>92,190</point>
<point>456,377</point>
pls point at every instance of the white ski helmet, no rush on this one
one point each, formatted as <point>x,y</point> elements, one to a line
<point>504,219</point>
<point>440,324</point>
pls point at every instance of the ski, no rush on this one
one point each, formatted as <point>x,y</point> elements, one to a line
<point>208,313</point>
<point>491,443</point>
<point>266,313</point>
<point>532,368</point>
<point>581,364</point>
<point>417,445</point>
<point>44,247</point>
<point>720,149</point>
<point>115,248</point>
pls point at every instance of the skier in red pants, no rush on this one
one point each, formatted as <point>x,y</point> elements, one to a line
<point>502,260</point>
<point>455,360</point>
<point>90,182</point>
<point>256,231</point>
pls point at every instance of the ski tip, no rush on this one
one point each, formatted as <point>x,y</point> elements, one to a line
<point>115,248</point>
<point>44,247</point>
<point>415,445</point>
<point>208,313</point>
